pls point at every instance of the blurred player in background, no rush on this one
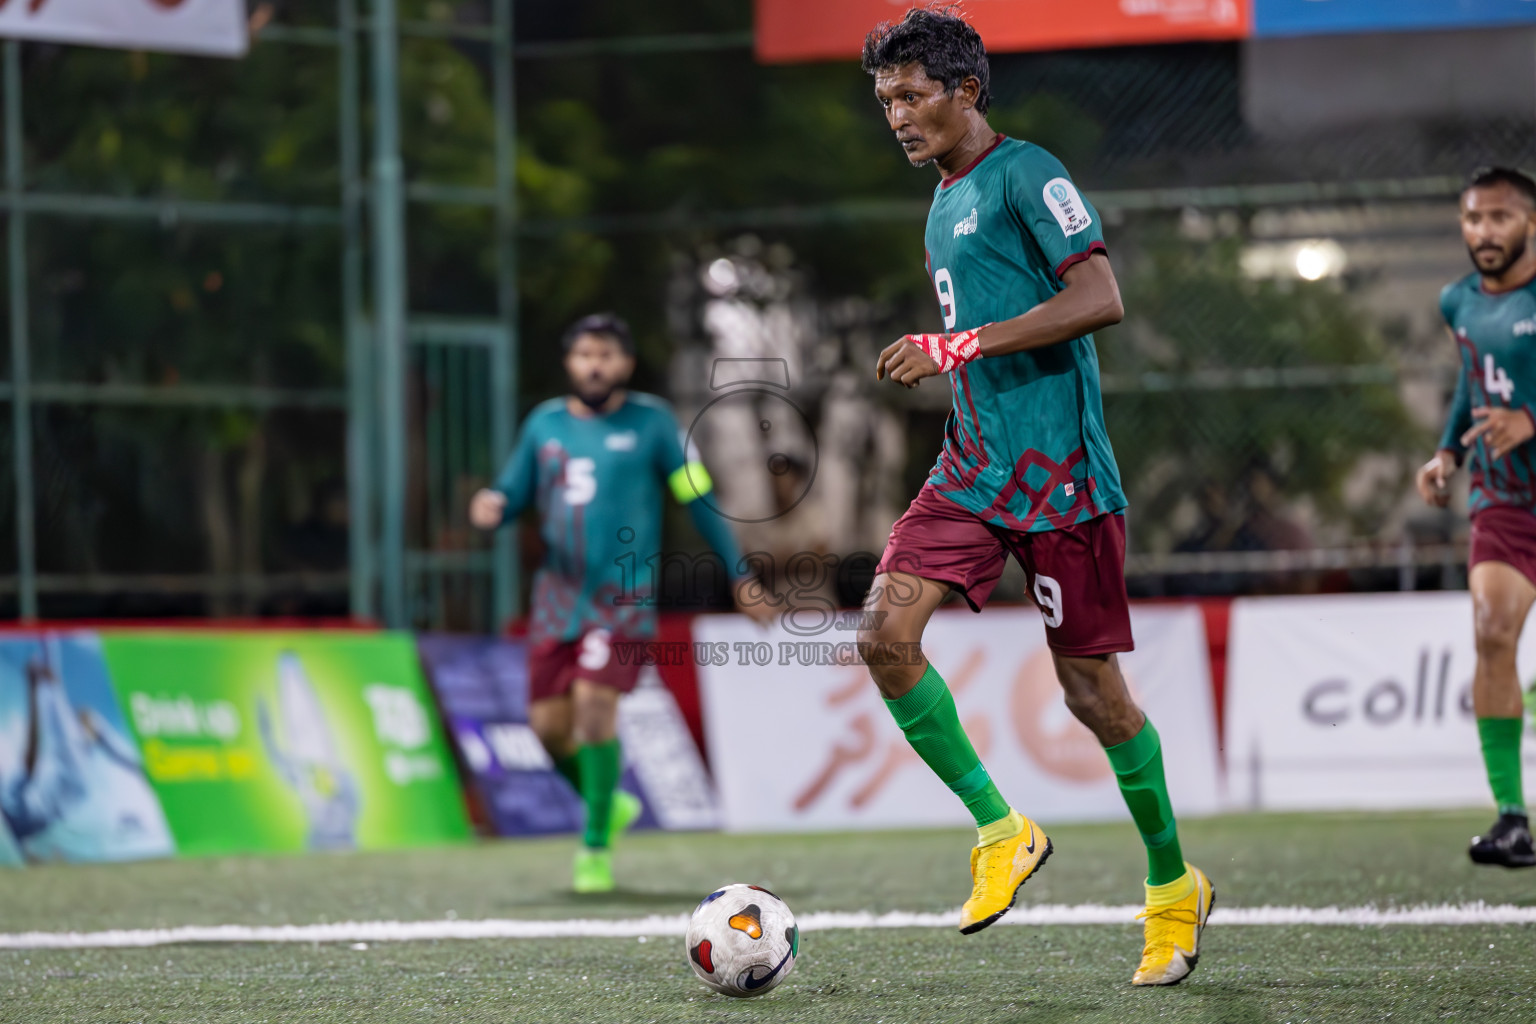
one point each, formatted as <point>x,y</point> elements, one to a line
<point>1018,261</point>
<point>1492,317</point>
<point>596,463</point>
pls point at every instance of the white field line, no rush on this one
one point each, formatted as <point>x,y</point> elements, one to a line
<point>675,925</point>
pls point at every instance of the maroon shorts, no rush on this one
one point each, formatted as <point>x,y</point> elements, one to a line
<point>1505,534</point>
<point>1076,575</point>
<point>553,665</point>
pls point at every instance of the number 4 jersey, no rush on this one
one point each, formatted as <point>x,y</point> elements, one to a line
<point>1025,446</point>
<point>1496,339</point>
<point>598,483</point>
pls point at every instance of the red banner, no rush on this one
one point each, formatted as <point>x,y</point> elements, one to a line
<point>799,30</point>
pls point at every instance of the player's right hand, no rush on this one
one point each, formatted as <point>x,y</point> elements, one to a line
<point>486,508</point>
<point>1434,479</point>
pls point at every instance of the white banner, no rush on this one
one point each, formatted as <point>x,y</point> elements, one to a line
<point>797,745</point>
<point>1356,702</point>
<point>657,743</point>
<point>214,27</point>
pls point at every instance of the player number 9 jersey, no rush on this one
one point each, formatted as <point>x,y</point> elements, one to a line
<point>1025,446</point>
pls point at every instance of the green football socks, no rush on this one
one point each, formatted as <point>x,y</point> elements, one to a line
<point>1138,765</point>
<point>600,766</point>
<point>927,716</point>
<point>1501,756</point>
<point>569,768</point>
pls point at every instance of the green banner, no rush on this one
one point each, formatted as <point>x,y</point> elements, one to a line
<point>288,741</point>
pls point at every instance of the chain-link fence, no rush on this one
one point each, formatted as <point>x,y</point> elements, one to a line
<point>197,335</point>
<point>233,391</point>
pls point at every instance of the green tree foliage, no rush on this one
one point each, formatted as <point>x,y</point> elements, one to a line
<point>1197,400</point>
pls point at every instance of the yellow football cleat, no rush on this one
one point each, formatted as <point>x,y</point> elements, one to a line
<point>1173,934</point>
<point>998,870</point>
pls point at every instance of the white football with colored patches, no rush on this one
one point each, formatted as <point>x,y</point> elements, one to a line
<point>742,940</point>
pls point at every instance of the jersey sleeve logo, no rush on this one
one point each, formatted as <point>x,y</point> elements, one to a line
<point>1067,206</point>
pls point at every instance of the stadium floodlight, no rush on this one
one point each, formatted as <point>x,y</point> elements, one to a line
<point>1308,259</point>
<point>1317,260</point>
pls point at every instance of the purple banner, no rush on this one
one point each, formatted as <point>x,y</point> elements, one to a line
<point>482,686</point>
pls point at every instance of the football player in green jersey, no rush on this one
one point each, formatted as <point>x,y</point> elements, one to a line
<point>1491,314</point>
<point>1018,264</point>
<point>595,462</point>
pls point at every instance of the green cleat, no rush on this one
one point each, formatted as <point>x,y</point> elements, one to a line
<point>592,871</point>
<point>626,810</point>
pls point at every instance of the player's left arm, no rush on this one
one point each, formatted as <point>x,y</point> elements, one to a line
<point>1088,301</point>
<point>1066,228</point>
<point>689,481</point>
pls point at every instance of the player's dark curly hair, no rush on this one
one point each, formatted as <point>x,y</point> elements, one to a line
<point>939,39</point>
<point>604,325</point>
<point>1521,182</point>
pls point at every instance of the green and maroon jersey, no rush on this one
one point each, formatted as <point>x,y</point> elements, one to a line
<point>598,482</point>
<point>1496,339</point>
<point>1025,446</point>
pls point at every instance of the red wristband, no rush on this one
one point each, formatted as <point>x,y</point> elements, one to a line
<point>950,350</point>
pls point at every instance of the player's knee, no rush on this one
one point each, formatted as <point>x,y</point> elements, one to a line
<point>552,730</point>
<point>1496,627</point>
<point>1497,636</point>
<point>889,641</point>
<point>596,714</point>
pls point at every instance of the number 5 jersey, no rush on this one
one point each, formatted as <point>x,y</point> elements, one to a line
<point>1025,446</point>
<point>598,483</point>
<point>1496,339</point>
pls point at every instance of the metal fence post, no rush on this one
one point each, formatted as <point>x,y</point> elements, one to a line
<point>506,571</point>
<point>21,369</point>
<point>389,307</point>
<point>360,421</point>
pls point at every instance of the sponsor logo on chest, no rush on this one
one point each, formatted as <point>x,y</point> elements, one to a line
<point>1526,328</point>
<point>623,441</point>
<point>967,226</point>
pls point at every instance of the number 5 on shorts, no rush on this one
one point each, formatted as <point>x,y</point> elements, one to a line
<point>595,650</point>
<point>1048,597</point>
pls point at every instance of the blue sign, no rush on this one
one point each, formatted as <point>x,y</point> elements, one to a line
<point>1324,17</point>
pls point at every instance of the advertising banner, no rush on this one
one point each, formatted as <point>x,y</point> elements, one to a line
<point>1320,17</point>
<point>288,741</point>
<point>800,738</point>
<point>10,853</point>
<point>72,785</point>
<point>214,27</point>
<point>1356,702</point>
<point>796,30</point>
<point>482,685</point>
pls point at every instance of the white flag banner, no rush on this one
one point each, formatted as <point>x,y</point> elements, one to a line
<point>213,27</point>
<point>799,741</point>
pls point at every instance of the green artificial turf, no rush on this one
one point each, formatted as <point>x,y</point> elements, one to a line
<point>1034,974</point>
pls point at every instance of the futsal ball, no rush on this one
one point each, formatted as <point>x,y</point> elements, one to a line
<point>742,940</point>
